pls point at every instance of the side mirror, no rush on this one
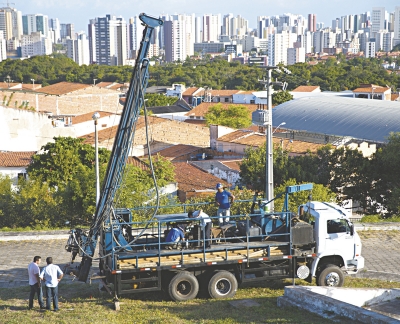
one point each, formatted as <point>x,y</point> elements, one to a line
<point>351,229</point>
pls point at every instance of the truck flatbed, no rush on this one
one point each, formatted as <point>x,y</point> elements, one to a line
<point>216,253</point>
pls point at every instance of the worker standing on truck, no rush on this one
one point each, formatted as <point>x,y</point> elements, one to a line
<point>205,223</point>
<point>174,236</point>
<point>224,199</point>
<point>52,275</point>
<point>34,282</point>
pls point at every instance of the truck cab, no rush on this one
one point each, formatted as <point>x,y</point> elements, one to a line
<point>338,245</point>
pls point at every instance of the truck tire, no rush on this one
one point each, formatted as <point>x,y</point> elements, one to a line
<point>222,284</point>
<point>330,276</point>
<point>183,286</point>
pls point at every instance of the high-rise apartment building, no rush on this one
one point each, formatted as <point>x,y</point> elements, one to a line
<point>111,40</point>
<point>312,22</point>
<point>10,23</point>
<point>179,37</point>
<point>278,45</point>
<point>378,16</point>
<point>35,44</point>
<point>211,28</point>
<point>55,29</point>
<point>35,23</point>
<point>92,41</point>
<point>396,27</point>
<point>78,49</point>
<point>369,49</point>
<point>175,40</point>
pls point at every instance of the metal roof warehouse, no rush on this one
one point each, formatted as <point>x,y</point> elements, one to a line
<point>369,120</point>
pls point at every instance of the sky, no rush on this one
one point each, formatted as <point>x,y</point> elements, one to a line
<point>79,12</point>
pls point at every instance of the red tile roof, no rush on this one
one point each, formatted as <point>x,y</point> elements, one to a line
<point>135,161</point>
<point>305,89</point>
<point>190,91</point>
<point>62,88</point>
<point>86,117</point>
<point>371,89</point>
<point>191,178</point>
<point>234,165</point>
<point>15,159</point>
<point>109,133</point>
<point>177,150</point>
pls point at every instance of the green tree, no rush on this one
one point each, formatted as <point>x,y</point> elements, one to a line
<point>280,97</point>
<point>7,201</point>
<point>235,116</point>
<point>318,193</point>
<point>158,100</point>
<point>59,161</point>
<point>387,175</point>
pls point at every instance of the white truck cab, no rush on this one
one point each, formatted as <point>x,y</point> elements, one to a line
<point>338,246</point>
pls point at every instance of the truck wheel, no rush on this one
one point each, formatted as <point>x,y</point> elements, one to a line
<point>331,276</point>
<point>222,284</point>
<point>183,286</point>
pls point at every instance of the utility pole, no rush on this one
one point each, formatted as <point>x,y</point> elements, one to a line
<point>269,159</point>
<point>263,117</point>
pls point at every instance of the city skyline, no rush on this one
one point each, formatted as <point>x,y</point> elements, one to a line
<point>79,12</point>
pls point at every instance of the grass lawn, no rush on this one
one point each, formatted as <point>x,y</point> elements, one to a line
<point>84,303</point>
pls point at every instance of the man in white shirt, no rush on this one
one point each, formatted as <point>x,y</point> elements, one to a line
<point>205,223</point>
<point>52,275</point>
<point>34,282</point>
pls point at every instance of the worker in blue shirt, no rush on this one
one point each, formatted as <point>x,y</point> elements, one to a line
<point>174,236</point>
<point>223,199</point>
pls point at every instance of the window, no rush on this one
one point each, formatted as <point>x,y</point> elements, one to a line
<point>337,226</point>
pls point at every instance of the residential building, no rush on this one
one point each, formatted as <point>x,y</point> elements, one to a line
<point>14,164</point>
<point>312,23</point>
<point>278,45</point>
<point>55,29</point>
<point>35,44</point>
<point>111,40</point>
<point>92,41</point>
<point>369,49</point>
<point>296,55</point>
<point>396,26</point>
<point>378,16</point>
<point>78,49</point>
<point>10,23</point>
<point>211,28</point>
<point>3,48</point>
<point>35,23</point>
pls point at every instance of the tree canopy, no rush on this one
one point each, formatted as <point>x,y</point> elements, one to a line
<point>61,186</point>
<point>235,116</point>
<point>334,74</point>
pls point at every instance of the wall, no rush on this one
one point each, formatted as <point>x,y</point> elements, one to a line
<point>12,172</point>
<point>166,132</point>
<point>87,127</point>
<point>217,131</point>
<point>22,130</point>
<point>75,103</point>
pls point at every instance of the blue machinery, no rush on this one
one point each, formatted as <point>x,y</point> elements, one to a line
<point>135,257</point>
<point>120,151</point>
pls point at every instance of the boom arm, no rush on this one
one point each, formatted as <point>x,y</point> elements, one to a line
<point>121,147</point>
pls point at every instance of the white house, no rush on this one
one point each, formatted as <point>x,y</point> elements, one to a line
<point>14,164</point>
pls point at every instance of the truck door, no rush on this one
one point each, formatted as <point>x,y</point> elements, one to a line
<point>339,239</point>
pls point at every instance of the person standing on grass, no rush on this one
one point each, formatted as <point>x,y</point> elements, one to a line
<point>223,199</point>
<point>34,282</point>
<point>52,275</point>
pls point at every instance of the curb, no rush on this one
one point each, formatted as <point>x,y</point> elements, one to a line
<point>35,237</point>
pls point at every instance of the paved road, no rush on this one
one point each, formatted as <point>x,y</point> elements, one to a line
<point>381,250</point>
